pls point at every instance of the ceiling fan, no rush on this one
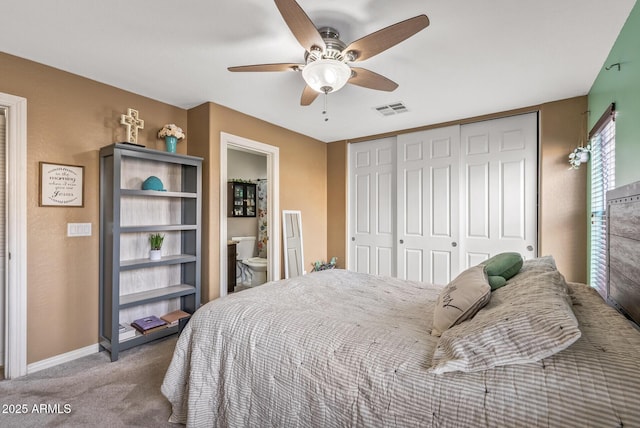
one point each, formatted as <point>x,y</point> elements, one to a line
<point>326,61</point>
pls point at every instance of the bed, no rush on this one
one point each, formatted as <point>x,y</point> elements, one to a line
<point>339,348</point>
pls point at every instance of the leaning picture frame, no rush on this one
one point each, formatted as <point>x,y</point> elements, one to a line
<point>61,185</point>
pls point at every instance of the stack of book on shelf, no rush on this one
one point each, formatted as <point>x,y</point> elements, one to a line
<point>126,331</point>
<point>173,318</point>
<point>150,324</point>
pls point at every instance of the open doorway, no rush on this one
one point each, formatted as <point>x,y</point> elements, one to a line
<point>261,156</point>
<point>247,209</point>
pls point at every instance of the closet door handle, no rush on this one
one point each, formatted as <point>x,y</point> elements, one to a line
<point>454,244</point>
<point>402,241</point>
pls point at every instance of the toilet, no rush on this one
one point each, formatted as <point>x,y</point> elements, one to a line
<point>258,268</point>
<point>252,270</point>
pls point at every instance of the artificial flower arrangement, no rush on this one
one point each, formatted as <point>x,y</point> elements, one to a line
<point>579,156</point>
<point>322,265</point>
<point>171,130</point>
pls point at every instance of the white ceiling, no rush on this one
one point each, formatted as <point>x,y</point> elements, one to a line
<point>476,57</point>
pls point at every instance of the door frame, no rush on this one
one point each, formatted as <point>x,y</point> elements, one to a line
<point>15,331</point>
<point>273,191</point>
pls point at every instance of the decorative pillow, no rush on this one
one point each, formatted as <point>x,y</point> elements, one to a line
<point>501,267</point>
<point>534,267</point>
<point>461,299</point>
<point>527,321</point>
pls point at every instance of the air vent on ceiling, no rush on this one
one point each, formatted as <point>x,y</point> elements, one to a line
<point>391,109</point>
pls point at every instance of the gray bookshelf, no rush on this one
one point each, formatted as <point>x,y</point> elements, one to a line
<point>131,285</point>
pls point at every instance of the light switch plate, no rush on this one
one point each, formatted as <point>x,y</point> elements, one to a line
<point>78,229</point>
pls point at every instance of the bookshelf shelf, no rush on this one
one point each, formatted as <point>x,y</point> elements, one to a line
<point>131,285</point>
<point>139,339</point>
<point>165,260</point>
<point>142,297</point>
<point>158,228</point>
<point>157,194</point>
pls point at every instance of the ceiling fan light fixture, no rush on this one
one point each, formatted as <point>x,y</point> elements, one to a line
<point>327,58</point>
<point>326,75</point>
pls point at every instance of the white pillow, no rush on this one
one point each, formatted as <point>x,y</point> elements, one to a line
<point>461,299</point>
<point>527,320</point>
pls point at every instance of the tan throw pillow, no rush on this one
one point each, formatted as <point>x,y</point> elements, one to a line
<point>461,299</point>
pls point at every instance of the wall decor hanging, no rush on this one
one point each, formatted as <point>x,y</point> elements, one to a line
<point>61,185</point>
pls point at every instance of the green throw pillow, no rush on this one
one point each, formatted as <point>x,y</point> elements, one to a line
<point>496,281</point>
<point>501,267</point>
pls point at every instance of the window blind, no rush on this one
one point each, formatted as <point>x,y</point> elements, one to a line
<point>602,179</point>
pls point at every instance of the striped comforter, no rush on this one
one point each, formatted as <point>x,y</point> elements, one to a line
<point>337,348</point>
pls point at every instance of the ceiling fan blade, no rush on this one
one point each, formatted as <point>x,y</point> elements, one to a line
<point>308,96</point>
<point>369,79</point>
<point>267,67</point>
<point>381,40</point>
<point>300,25</point>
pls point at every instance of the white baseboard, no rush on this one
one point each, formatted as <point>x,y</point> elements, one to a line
<point>62,358</point>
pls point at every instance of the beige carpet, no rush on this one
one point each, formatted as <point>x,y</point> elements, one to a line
<point>93,392</point>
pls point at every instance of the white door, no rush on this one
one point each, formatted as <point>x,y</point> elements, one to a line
<point>372,205</point>
<point>499,188</point>
<point>3,142</point>
<point>427,205</point>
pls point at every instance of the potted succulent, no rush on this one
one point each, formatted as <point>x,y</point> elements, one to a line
<point>155,239</point>
<point>579,156</point>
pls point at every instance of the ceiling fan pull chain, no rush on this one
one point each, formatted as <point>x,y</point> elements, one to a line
<point>324,112</point>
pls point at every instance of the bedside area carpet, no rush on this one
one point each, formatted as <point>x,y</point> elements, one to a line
<point>92,391</point>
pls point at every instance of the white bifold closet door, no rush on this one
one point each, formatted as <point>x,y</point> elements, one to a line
<point>499,188</point>
<point>372,201</point>
<point>428,226</point>
<point>426,205</point>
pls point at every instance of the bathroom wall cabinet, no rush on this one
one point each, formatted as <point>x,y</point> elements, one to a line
<point>131,285</point>
<point>242,199</point>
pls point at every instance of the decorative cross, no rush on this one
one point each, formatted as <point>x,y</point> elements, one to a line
<point>133,123</point>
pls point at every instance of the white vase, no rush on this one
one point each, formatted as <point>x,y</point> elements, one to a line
<point>155,255</point>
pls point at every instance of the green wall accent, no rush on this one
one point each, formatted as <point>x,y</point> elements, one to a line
<point>623,88</point>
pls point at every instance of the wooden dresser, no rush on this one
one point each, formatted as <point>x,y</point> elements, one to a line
<point>231,266</point>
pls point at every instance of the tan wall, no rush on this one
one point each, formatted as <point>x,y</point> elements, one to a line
<point>68,119</point>
<point>303,184</point>
<point>563,220</point>
<point>199,146</point>
<point>337,170</point>
<point>562,211</point>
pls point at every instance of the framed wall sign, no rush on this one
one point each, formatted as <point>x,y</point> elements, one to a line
<point>61,185</point>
